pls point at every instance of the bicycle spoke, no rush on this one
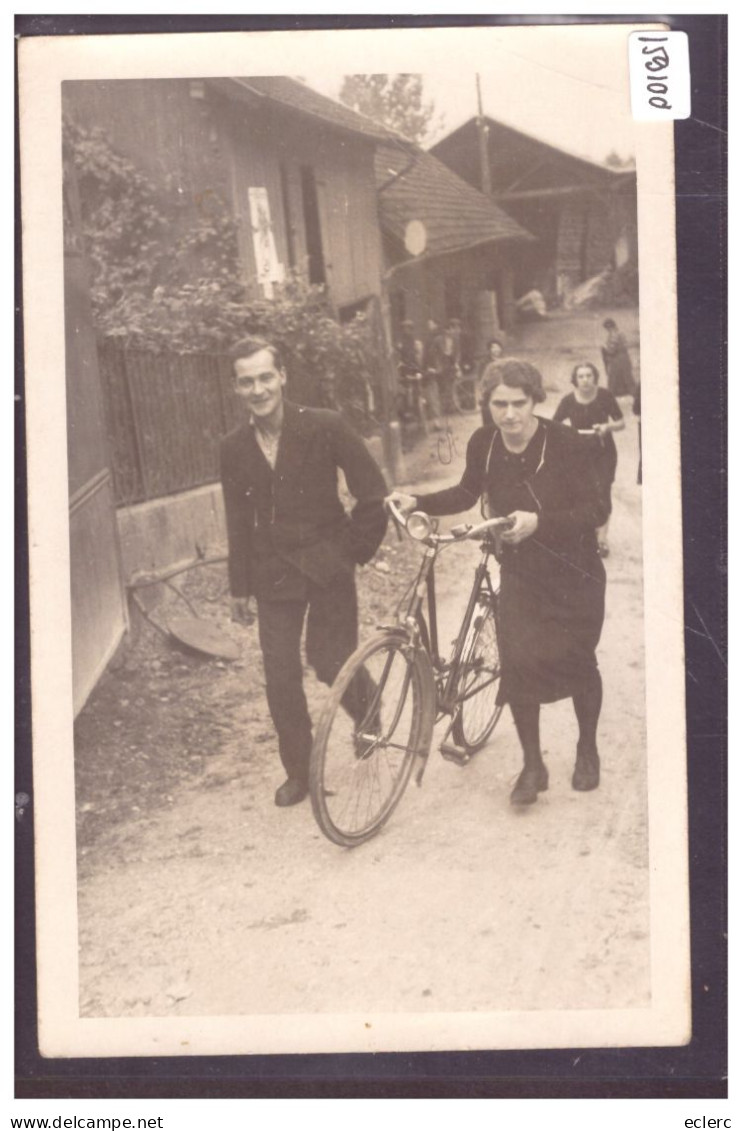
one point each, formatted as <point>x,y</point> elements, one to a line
<point>477,707</point>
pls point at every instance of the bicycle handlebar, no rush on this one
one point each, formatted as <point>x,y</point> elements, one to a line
<point>457,533</point>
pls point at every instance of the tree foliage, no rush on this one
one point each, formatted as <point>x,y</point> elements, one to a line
<point>153,270</point>
<point>614,160</point>
<point>395,100</point>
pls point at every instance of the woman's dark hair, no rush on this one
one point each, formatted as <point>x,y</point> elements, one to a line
<point>517,374</point>
<point>246,347</point>
<point>609,324</point>
<point>585,365</point>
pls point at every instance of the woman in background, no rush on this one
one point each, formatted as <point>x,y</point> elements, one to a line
<point>595,414</point>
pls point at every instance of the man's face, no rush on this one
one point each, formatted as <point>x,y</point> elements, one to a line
<point>259,382</point>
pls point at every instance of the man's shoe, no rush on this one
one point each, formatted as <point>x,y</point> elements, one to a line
<point>528,786</point>
<point>587,771</point>
<point>291,793</point>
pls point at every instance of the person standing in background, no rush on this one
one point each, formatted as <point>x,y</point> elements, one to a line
<point>638,415</point>
<point>595,414</point>
<point>617,362</point>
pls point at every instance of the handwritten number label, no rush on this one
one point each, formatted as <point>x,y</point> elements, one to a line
<point>659,71</point>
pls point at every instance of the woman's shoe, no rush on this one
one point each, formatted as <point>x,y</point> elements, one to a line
<point>587,771</point>
<point>531,782</point>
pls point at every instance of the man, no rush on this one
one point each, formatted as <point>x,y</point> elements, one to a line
<point>291,544</point>
<point>407,353</point>
<point>442,361</point>
<point>411,367</point>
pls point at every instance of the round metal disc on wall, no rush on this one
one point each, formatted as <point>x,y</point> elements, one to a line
<point>415,237</point>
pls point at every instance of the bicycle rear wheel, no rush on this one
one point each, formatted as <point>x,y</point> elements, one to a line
<point>371,728</point>
<point>478,711</point>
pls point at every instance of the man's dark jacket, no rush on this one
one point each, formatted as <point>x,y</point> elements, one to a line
<point>289,521</point>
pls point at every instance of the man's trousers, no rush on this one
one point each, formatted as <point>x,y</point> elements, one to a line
<point>332,634</point>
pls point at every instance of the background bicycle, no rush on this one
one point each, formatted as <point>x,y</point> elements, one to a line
<point>464,390</point>
<point>378,719</point>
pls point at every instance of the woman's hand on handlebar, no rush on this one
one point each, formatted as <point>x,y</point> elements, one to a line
<point>525,524</point>
<point>403,502</point>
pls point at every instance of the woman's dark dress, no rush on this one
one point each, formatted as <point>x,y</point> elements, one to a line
<point>605,407</point>
<point>552,591</point>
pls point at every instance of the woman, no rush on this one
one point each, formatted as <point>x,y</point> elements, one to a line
<point>590,409</point>
<point>552,578</point>
<point>495,350</point>
<point>617,361</point>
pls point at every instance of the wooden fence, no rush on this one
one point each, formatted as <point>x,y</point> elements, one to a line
<point>165,414</point>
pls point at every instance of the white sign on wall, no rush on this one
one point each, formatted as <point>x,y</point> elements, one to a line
<point>269,268</point>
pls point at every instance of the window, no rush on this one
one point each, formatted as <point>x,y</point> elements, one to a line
<point>312,227</point>
<point>287,220</point>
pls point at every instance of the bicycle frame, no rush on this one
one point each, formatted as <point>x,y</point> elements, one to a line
<point>482,590</point>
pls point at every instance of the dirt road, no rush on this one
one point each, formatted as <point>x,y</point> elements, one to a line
<point>198,897</point>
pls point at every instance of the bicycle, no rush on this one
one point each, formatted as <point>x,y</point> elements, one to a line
<point>378,719</point>
<point>464,391</point>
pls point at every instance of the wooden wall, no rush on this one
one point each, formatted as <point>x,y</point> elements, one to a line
<point>96,591</point>
<point>263,140</point>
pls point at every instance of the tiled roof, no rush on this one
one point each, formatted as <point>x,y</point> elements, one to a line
<point>296,95</point>
<point>456,216</point>
<point>511,134</point>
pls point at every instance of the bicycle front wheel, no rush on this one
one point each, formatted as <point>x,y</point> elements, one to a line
<point>478,711</point>
<point>371,728</point>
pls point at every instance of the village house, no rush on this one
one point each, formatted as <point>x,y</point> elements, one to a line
<point>295,168</point>
<point>582,213</point>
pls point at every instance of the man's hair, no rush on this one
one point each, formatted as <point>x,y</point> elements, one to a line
<point>585,365</point>
<point>609,324</point>
<point>517,374</point>
<point>246,347</point>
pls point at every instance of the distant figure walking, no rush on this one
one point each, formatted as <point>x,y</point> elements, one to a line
<point>638,415</point>
<point>617,361</point>
<point>594,413</point>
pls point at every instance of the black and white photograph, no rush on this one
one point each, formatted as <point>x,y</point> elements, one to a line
<point>356,588</point>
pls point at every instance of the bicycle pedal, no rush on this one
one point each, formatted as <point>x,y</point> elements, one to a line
<point>454,754</point>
